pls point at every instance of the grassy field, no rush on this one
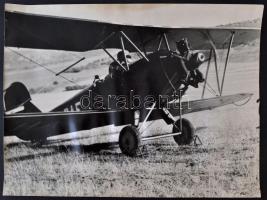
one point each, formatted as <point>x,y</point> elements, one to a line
<point>89,163</point>
<point>226,165</point>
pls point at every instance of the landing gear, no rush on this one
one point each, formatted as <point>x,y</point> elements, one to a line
<point>130,136</point>
<point>187,134</point>
<point>129,140</point>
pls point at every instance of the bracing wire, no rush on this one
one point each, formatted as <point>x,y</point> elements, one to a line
<point>40,65</point>
<point>44,67</point>
<point>214,92</point>
<point>210,89</point>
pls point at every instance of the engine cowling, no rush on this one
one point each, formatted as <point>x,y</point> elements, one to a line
<point>195,60</point>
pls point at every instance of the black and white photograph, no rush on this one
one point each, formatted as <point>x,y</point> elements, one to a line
<point>132,100</point>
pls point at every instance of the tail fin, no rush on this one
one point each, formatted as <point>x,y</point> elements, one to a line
<point>17,95</point>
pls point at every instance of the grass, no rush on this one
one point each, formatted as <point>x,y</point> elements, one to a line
<point>226,165</point>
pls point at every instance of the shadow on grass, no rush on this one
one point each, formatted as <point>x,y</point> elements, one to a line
<point>57,149</point>
<point>30,157</point>
<point>16,144</point>
<point>108,149</point>
<point>109,152</point>
<point>56,141</point>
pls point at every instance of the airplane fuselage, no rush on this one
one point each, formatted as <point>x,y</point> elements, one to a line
<point>107,101</point>
<point>145,82</point>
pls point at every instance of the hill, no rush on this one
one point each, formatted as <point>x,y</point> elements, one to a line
<point>248,23</point>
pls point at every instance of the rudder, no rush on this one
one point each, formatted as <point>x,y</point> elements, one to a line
<point>17,95</point>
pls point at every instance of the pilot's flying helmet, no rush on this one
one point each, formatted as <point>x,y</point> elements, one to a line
<point>182,46</point>
<point>120,56</point>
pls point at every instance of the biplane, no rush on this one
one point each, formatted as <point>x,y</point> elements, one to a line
<point>160,71</point>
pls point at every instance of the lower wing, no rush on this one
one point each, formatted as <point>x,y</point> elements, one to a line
<point>29,126</point>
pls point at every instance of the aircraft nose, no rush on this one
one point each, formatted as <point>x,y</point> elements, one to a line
<point>200,57</point>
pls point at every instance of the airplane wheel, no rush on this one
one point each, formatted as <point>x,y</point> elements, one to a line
<point>129,140</point>
<point>188,132</point>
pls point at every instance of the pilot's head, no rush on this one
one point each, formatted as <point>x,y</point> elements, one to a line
<point>120,56</point>
<point>183,46</point>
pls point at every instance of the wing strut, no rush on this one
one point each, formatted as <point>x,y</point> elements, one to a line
<point>134,46</point>
<point>213,54</point>
<point>160,42</point>
<point>166,41</point>
<point>227,59</point>
<point>123,50</point>
<point>207,73</point>
<point>114,59</point>
<point>216,70</point>
<point>163,36</point>
<point>122,36</point>
<point>213,46</point>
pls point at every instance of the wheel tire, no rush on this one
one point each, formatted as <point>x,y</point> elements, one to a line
<point>129,140</point>
<point>188,132</point>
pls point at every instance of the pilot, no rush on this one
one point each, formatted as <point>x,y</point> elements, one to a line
<point>96,80</point>
<point>183,48</point>
<point>195,75</point>
<point>115,70</point>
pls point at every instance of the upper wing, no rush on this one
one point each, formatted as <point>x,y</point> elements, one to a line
<point>50,32</point>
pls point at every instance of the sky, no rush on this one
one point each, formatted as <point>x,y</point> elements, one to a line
<point>170,15</point>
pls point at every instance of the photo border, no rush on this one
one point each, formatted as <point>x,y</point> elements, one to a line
<point>263,80</point>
